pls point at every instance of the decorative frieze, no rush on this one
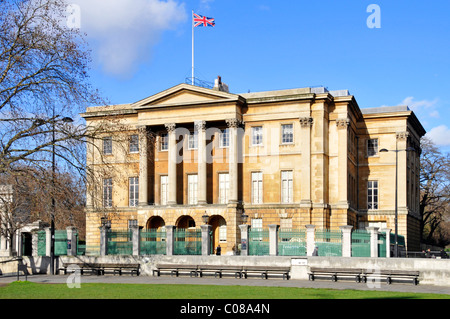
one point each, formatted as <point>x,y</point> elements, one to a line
<point>402,136</point>
<point>342,123</point>
<point>306,121</point>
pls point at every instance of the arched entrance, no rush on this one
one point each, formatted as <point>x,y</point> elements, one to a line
<point>185,222</point>
<point>155,222</point>
<point>219,230</point>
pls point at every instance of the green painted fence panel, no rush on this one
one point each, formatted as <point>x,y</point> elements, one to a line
<point>187,241</point>
<point>119,242</point>
<point>360,243</point>
<point>328,242</point>
<point>291,242</point>
<point>258,242</point>
<point>153,242</point>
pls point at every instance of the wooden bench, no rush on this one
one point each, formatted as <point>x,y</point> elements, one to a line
<point>334,273</point>
<point>264,271</point>
<point>220,270</point>
<point>118,268</point>
<point>100,268</point>
<point>388,275</point>
<point>176,269</point>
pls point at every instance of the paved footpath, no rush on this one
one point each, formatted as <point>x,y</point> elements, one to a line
<point>342,284</point>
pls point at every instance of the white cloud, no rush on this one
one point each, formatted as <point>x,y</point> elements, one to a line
<point>416,105</point>
<point>440,135</point>
<point>124,31</point>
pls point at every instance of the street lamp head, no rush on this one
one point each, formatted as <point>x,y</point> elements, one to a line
<point>244,218</point>
<point>205,218</point>
<point>384,150</point>
<point>67,120</point>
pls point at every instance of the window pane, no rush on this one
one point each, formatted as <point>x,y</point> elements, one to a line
<point>107,145</point>
<point>134,191</point>
<point>164,142</point>
<point>257,135</point>
<point>287,131</point>
<point>224,138</point>
<point>134,143</point>
<point>164,189</point>
<point>372,147</point>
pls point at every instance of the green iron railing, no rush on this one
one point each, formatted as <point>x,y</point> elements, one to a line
<point>291,242</point>
<point>258,242</point>
<point>153,242</point>
<point>328,242</point>
<point>187,241</point>
<point>119,242</point>
<point>360,243</point>
<point>41,243</point>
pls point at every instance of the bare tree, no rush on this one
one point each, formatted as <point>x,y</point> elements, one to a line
<point>43,81</point>
<point>434,194</point>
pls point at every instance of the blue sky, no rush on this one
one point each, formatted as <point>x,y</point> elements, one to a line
<point>141,47</point>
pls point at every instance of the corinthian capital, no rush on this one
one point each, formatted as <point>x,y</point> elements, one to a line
<point>233,123</point>
<point>170,127</point>
<point>306,121</point>
<point>402,135</point>
<point>342,123</point>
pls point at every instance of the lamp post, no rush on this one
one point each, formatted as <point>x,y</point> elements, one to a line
<point>384,150</point>
<point>52,224</point>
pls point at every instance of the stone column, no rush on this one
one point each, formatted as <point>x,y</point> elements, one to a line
<point>200,126</point>
<point>388,241</point>
<point>373,241</point>
<point>170,240</point>
<point>34,242</point>
<point>206,239</point>
<point>3,245</point>
<point>402,144</point>
<point>172,197</point>
<point>305,144</point>
<point>104,240</point>
<point>143,166</point>
<point>346,240</point>
<point>91,149</point>
<point>233,125</point>
<point>342,125</point>
<point>136,239</point>
<point>244,239</point>
<point>71,241</point>
<point>48,243</point>
<point>273,240</point>
<point>310,239</point>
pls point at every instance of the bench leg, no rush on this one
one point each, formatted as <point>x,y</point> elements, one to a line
<point>311,277</point>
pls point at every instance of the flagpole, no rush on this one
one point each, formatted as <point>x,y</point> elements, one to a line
<point>192,17</point>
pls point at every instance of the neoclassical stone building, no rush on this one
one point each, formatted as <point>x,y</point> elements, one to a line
<point>289,157</point>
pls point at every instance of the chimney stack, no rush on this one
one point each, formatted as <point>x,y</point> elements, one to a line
<point>219,86</point>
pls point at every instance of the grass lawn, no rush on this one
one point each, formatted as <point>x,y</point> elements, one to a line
<point>29,290</point>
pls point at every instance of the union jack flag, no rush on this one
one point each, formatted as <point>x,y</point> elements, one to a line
<point>201,21</point>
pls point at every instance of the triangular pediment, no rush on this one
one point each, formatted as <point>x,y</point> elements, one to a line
<point>184,94</point>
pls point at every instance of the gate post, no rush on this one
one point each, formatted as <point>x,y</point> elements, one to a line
<point>310,240</point>
<point>170,238</point>
<point>206,240</point>
<point>136,238</point>
<point>48,238</point>
<point>104,239</point>
<point>346,240</point>
<point>244,239</point>
<point>72,241</point>
<point>273,240</point>
<point>388,241</point>
<point>373,241</point>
